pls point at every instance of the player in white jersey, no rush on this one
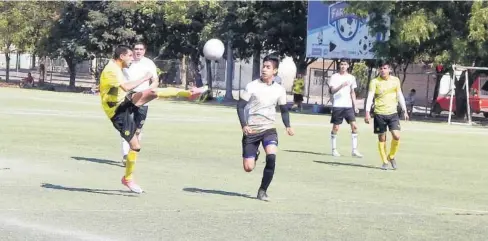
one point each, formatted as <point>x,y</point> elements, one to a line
<point>257,114</point>
<point>140,67</point>
<point>344,106</point>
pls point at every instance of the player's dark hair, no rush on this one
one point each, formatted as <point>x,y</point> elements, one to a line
<point>120,50</point>
<point>383,63</point>
<point>413,90</point>
<point>344,61</point>
<point>140,43</point>
<point>273,59</point>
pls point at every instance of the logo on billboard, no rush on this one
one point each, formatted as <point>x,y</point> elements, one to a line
<point>347,25</point>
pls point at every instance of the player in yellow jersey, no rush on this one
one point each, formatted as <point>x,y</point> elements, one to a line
<point>387,93</point>
<point>119,101</point>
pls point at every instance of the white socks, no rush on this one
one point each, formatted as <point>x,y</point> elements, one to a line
<point>354,137</point>
<point>126,147</point>
<point>333,140</point>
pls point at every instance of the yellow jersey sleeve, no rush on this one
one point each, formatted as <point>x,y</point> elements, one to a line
<point>372,86</point>
<point>110,92</point>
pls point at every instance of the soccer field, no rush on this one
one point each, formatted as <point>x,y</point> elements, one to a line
<point>60,178</point>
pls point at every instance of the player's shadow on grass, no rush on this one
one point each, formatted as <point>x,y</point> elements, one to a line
<point>309,152</point>
<point>347,164</point>
<point>88,190</point>
<point>96,160</point>
<point>218,192</point>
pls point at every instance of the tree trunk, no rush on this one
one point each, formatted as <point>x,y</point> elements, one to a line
<point>17,61</point>
<point>370,72</point>
<point>42,71</point>
<point>208,67</point>
<point>394,68</point>
<point>460,95</point>
<point>230,72</point>
<point>404,74</point>
<point>183,71</point>
<point>436,91</point>
<point>256,64</point>
<point>72,72</point>
<point>33,61</point>
<point>7,65</point>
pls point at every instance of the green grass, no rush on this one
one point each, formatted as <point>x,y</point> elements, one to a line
<point>60,178</point>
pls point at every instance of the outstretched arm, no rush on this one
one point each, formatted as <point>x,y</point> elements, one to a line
<point>241,104</point>
<point>285,115</point>
<point>401,99</point>
<point>155,77</point>
<point>369,101</point>
<point>353,95</point>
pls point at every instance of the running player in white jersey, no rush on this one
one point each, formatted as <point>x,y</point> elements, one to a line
<point>259,100</point>
<point>140,67</point>
<point>344,106</point>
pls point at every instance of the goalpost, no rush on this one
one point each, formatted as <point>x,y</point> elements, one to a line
<point>456,68</point>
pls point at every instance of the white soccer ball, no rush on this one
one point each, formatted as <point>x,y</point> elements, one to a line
<point>287,72</point>
<point>213,49</point>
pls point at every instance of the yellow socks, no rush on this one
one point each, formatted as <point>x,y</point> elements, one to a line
<point>394,148</point>
<point>172,92</point>
<point>129,166</point>
<point>382,150</point>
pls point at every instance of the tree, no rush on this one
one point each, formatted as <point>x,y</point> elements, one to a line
<point>178,30</point>
<point>109,25</point>
<point>12,25</point>
<point>244,23</point>
<point>69,37</point>
<point>286,33</point>
<point>42,17</point>
<point>410,30</point>
<point>429,32</point>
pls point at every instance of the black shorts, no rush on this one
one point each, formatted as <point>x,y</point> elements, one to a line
<point>381,122</point>
<point>297,97</point>
<point>140,116</point>
<point>123,120</point>
<point>250,143</point>
<point>340,113</point>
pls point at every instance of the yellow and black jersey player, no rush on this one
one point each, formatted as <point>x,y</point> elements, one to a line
<point>387,93</point>
<point>120,101</point>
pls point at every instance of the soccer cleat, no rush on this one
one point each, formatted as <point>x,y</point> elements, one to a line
<point>132,185</point>
<point>335,153</point>
<point>124,160</point>
<point>393,163</point>
<point>384,166</point>
<point>356,153</point>
<point>262,195</point>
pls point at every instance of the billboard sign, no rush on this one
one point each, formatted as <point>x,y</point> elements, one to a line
<point>332,33</point>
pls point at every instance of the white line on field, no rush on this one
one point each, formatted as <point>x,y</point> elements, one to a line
<point>465,210</point>
<point>429,212</point>
<point>50,230</point>
<point>217,211</point>
<point>217,120</point>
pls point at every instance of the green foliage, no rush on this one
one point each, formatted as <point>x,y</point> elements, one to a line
<point>286,31</point>
<point>69,37</point>
<point>110,24</point>
<point>360,71</point>
<point>13,25</point>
